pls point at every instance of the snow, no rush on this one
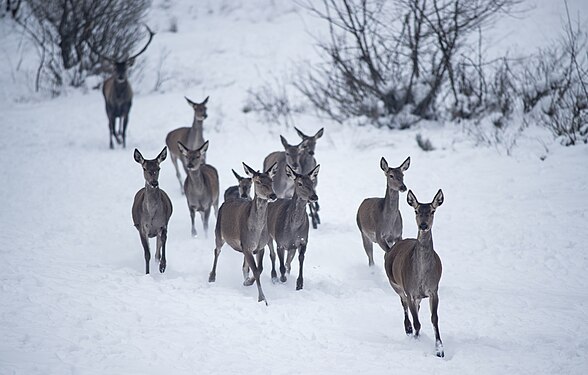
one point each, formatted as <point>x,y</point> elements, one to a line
<point>511,233</point>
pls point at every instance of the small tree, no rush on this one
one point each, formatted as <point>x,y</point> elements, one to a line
<point>386,57</point>
<point>62,29</point>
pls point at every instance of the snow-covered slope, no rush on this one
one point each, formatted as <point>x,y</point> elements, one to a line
<point>73,297</point>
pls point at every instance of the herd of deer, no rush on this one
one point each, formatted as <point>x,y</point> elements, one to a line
<point>277,212</point>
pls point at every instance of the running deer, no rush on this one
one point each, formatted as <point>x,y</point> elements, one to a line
<point>240,191</point>
<point>414,269</point>
<point>307,163</point>
<point>288,223</point>
<point>379,219</point>
<point>243,225</point>
<point>118,94</point>
<point>201,185</point>
<point>190,136</point>
<point>152,209</point>
<point>284,186</point>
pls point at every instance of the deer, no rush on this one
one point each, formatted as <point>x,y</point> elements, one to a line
<point>288,224</point>
<point>190,136</point>
<point>240,191</point>
<point>414,269</point>
<point>201,185</point>
<point>243,225</point>
<point>284,186</point>
<point>307,163</point>
<point>152,209</point>
<point>118,94</point>
<point>379,219</point>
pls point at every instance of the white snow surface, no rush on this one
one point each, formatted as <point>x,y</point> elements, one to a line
<point>74,298</point>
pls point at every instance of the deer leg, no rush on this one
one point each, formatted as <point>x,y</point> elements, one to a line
<point>247,281</point>
<point>270,244</point>
<point>259,257</point>
<point>368,246</point>
<point>300,279</point>
<point>256,275</point>
<point>145,243</point>
<point>433,304</point>
<point>111,129</point>
<point>217,251</point>
<point>312,215</point>
<point>281,251</point>
<point>124,124</point>
<point>291,253</point>
<point>192,214</point>
<point>178,175</point>
<point>407,324</point>
<point>205,215</point>
<point>117,133</point>
<point>414,310</point>
<point>162,238</point>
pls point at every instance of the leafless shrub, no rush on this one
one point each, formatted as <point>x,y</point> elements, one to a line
<point>272,103</point>
<point>424,143</point>
<point>62,29</point>
<point>382,57</point>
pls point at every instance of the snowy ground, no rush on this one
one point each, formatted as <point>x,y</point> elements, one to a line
<point>511,234</point>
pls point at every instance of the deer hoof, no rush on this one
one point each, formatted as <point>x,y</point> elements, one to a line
<point>211,278</point>
<point>439,352</point>
<point>298,284</point>
<point>162,267</point>
<point>283,278</point>
<point>249,281</point>
<point>194,234</point>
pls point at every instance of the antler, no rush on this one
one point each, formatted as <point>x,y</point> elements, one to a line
<point>151,33</point>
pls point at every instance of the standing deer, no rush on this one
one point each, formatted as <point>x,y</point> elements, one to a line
<point>118,94</point>
<point>201,185</point>
<point>414,269</point>
<point>152,209</point>
<point>190,136</point>
<point>379,219</point>
<point>240,191</point>
<point>288,223</point>
<point>284,186</point>
<point>307,163</point>
<point>243,225</point>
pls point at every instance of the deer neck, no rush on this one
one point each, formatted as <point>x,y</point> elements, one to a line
<point>152,198</point>
<point>195,138</point>
<point>196,177</point>
<point>257,215</point>
<point>120,88</point>
<point>391,200</point>
<point>296,210</point>
<point>425,243</point>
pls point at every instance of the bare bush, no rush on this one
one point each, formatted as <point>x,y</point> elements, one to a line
<point>384,57</point>
<point>272,103</point>
<point>62,29</point>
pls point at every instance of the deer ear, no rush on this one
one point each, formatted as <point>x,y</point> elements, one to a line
<point>438,200</point>
<point>138,157</point>
<point>411,199</point>
<point>183,149</point>
<point>204,147</point>
<point>130,62</point>
<point>162,155</point>
<point>284,141</point>
<point>319,133</point>
<point>205,100</point>
<point>404,166</point>
<point>191,103</point>
<point>290,172</point>
<point>384,165</point>
<point>314,173</point>
<point>248,170</point>
<point>301,134</point>
<point>239,178</point>
<point>272,170</point>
